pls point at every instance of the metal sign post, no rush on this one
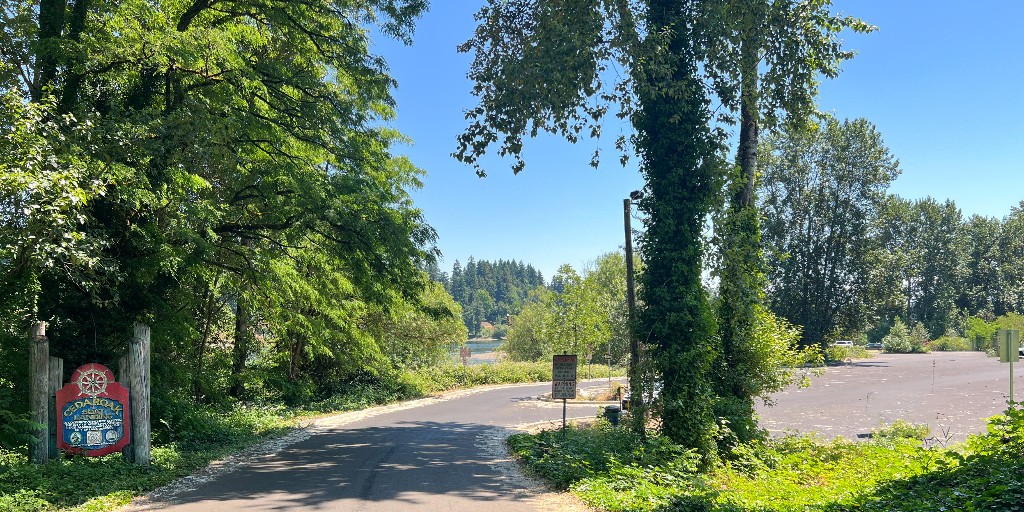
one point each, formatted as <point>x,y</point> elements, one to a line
<point>1009,351</point>
<point>563,380</point>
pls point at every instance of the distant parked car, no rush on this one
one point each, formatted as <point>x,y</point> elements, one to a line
<point>873,346</point>
<point>844,343</point>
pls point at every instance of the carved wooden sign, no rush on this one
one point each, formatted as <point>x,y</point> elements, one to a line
<point>93,413</point>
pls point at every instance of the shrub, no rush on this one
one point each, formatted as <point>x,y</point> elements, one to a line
<point>13,426</point>
<point>901,341</point>
<point>900,429</point>
<point>845,353</point>
<point>567,457</point>
<point>950,344</point>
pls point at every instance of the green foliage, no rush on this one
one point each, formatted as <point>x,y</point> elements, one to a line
<point>774,362</point>
<point>793,473</point>
<point>1009,321</point>
<point>421,334</point>
<point>500,331</point>
<point>443,378</point>
<point>742,363</point>
<point>681,164</point>
<point>901,340</point>
<point>918,266</point>
<point>837,354</point>
<point>980,333</point>
<point>607,278</point>
<point>1010,295</point>
<point>901,429</point>
<point>567,457</point>
<point>14,426</point>
<point>950,344</point>
<point>821,187</point>
<point>893,472</point>
<point>981,477</point>
<point>578,321</point>
<point>197,427</point>
<point>289,217</point>
<point>529,338</point>
<point>582,314</point>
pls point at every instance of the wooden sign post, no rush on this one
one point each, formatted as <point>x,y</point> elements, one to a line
<point>138,362</point>
<point>39,379</point>
<point>94,414</point>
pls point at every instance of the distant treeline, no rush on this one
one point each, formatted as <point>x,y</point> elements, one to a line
<point>489,291</point>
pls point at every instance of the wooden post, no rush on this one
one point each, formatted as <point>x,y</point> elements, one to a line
<point>138,355</point>
<point>39,370</point>
<point>124,373</point>
<point>124,376</point>
<point>56,381</point>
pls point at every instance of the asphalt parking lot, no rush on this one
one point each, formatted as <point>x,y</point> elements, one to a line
<point>953,392</point>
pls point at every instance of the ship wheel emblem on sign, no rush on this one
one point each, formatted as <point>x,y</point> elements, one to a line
<point>92,381</point>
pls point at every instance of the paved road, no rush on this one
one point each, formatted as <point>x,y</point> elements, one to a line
<point>447,454</point>
<point>432,455</point>
<point>953,392</point>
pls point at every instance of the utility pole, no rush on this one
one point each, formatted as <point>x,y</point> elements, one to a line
<point>630,286</point>
<point>635,378</point>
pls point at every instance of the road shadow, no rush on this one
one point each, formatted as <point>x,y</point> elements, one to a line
<point>865,364</point>
<point>420,464</point>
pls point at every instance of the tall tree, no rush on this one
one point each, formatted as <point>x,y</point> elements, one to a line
<point>578,325</point>
<point>941,265</point>
<point>894,265</point>
<point>980,291</point>
<point>1011,262</point>
<point>547,66</point>
<point>607,279</point>
<point>682,169</point>
<point>822,188</point>
<point>764,61</point>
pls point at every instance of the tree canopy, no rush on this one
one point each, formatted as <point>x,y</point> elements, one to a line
<point>188,163</point>
<point>822,187</point>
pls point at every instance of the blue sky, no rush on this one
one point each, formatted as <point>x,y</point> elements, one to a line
<point>941,80</point>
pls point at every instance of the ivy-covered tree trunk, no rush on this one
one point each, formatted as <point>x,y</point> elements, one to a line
<point>681,166</point>
<point>741,281</point>
<point>740,288</point>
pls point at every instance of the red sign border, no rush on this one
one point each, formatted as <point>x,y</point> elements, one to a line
<point>71,392</point>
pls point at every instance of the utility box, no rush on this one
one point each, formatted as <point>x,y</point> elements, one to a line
<point>611,413</point>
